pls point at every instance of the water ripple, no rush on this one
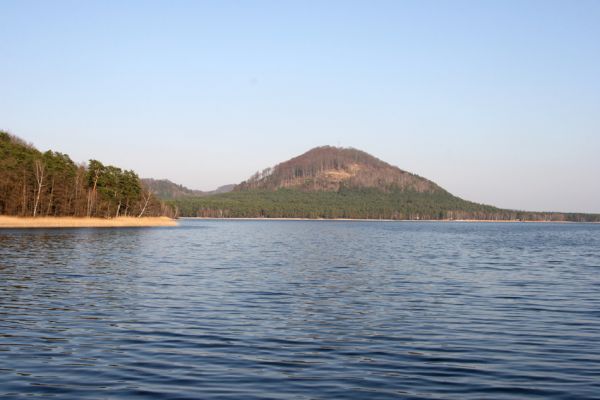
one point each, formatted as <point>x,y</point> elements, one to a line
<point>302,310</point>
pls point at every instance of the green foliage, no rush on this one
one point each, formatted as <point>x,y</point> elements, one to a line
<point>346,203</point>
<point>366,203</point>
<point>50,183</point>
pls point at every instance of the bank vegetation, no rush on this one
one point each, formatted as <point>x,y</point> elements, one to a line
<point>49,184</point>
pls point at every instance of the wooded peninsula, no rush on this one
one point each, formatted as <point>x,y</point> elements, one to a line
<point>50,184</point>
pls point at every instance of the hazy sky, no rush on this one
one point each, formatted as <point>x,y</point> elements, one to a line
<point>497,101</point>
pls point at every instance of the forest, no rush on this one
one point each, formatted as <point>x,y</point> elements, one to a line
<point>366,203</point>
<point>325,182</point>
<point>334,182</point>
<point>35,184</point>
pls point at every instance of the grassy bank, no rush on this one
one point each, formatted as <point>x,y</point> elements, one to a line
<point>73,222</point>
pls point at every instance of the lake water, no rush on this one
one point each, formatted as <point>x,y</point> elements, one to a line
<point>302,310</point>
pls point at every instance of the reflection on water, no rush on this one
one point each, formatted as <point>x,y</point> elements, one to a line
<point>299,309</point>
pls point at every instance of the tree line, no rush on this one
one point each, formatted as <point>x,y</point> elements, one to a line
<point>366,203</point>
<point>37,184</point>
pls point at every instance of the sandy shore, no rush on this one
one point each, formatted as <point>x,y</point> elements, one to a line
<point>73,222</point>
<point>389,220</point>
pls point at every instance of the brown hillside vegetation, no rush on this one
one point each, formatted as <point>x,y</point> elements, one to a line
<point>329,168</point>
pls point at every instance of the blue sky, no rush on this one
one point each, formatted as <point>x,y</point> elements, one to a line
<point>498,102</point>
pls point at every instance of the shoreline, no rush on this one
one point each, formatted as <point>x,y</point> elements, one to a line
<point>514,221</point>
<point>10,222</point>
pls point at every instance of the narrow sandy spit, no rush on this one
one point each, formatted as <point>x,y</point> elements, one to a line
<point>74,222</point>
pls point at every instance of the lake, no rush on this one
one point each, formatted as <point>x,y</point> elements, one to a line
<point>302,310</point>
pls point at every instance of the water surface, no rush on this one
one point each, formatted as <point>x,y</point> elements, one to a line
<point>302,310</point>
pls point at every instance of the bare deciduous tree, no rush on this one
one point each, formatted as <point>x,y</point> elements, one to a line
<point>40,170</point>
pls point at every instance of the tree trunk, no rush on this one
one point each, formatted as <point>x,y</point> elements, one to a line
<point>39,179</point>
<point>24,211</point>
<point>146,200</point>
<point>51,198</point>
<point>92,194</point>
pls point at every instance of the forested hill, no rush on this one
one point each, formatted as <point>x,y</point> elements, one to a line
<point>33,183</point>
<point>330,169</point>
<point>167,190</point>
<point>331,182</point>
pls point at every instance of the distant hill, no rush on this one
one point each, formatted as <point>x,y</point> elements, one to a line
<point>333,182</point>
<point>221,189</point>
<point>166,190</point>
<point>331,169</point>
